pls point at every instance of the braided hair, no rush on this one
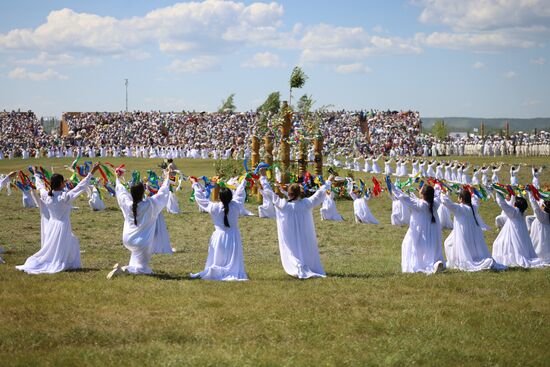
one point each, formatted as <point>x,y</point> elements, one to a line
<point>137,191</point>
<point>428,194</point>
<point>225,197</point>
<point>466,198</point>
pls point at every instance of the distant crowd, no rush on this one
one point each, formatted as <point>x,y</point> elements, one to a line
<point>356,134</point>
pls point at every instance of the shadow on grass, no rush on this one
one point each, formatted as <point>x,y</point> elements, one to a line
<point>166,276</point>
<point>83,270</point>
<point>360,276</point>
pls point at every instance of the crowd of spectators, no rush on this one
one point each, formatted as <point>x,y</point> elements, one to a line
<point>217,135</point>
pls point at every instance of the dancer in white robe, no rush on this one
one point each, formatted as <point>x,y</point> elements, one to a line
<point>540,228</point>
<point>44,213</point>
<point>513,246</point>
<point>225,259</point>
<point>95,201</point>
<point>328,209</point>
<point>514,175</point>
<point>140,222</point>
<point>495,170</point>
<point>296,230</point>
<point>61,250</point>
<point>421,249</point>
<point>388,171</point>
<point>172,207</point>
<point>400,214</point>
<point>266,210</point>
<point>361,210</point>
<point>161,240</point>
<point>375,168</point>
<point>465,248</point>
<point>27,199</point>
<point>536,173</point>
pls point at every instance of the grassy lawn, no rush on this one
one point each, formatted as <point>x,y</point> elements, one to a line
<point>364,313</point>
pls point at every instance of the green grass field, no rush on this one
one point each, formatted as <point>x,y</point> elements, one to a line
<point>366,312</point>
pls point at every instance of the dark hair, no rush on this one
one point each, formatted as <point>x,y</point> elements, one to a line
<point>428,194</point>
<point>225,197</point>
<point>521,204</point>
<point>466,198</point>
<point>56,183</point>
<point>137,192</point>
<point>295,190</point>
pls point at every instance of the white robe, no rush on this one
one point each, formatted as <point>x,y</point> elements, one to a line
<point>161,239</point>
<point>225,259</point>
<point>172,206</point>
<point>513,246</point>
<point>465,248</point>
<point>328,209</point>
<point>61,249</point>
<point>266,210</point>
<point>138,239</point>
<point>540,231</point>
<point>95,200</point>
<point>296,233</point>
<point>421,247</point>
<point>400,214</point>
<point>27,199</point>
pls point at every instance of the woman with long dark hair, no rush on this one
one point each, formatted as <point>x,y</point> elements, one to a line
<point>140,221</point>
<point>225,259</point>
<point>296,230</point>
<point>421,247</point>
<point>61,249</point>
<point>465,248</point>
<point>513,245</point>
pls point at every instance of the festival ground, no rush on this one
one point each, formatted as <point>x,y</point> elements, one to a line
<point>366,312</point>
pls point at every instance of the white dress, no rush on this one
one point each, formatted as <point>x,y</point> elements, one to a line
<point>27,199</point>
<point>44,213</point>
<point>296,233</point>
<point>465,248</point>
<point>61,250</point>
<point>513,246</point>
<point>540,231</point>
<point>161,240</point>
<point>138,239</point>
<point>95,200</point>
<point>421,248</point>
<point>225,259</point>
<point>361,209</point>
<point>266,210</point>
<point>400,214</point>
<point>328,209</point>
<point>445,218</point>
<point>173,206</point>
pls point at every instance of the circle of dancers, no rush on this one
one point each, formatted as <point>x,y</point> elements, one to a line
<point>523,241</point>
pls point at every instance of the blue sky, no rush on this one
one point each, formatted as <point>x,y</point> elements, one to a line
<point>441,57</point>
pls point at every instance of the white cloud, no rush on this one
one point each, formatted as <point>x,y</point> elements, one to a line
<point>264,60</point>
<point>531,102</point>
<point>510,74</point>
<point>46,59</point>
<point>194,65</point>
<point>325,43</point>
<point>538,61</point>
<point>468,15</point>
<point>22,73</point>
<point>207,25</point>
<point>486,25</point>
<point>478,65</point>
<point>491,41</point>
<point>379,29</point>
<point>356,68</point>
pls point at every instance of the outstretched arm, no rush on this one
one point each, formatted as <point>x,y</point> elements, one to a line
<point>319,196</point>
<point>240,192</point>
<point>200,198</point>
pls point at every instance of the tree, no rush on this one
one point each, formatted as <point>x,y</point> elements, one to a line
<point>228,105</point>
<point>304,104</point>
<point>297,80</point>
<point>271,104</point>
<point>439,130</point>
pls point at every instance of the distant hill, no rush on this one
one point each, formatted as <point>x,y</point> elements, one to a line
<point>469,123</point>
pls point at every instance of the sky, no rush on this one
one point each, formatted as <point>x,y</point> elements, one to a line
<point>443,58</point>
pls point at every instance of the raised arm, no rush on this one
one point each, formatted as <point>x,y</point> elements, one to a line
<point>40,186</point>
<point>82,185</point>
<point>200,198</point>
<point>446,200</point>
<point>539,213</point>
<point>240,193</point>
<point>160,199</point>
<point>413,204</point>
<point>507,207</point>
<point>123,197</point>
<point>351,194</point>
<point>319,196</point>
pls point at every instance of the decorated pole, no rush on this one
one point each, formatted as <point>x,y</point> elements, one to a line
<point>318,152</point>
<point>482,130</point>
<point>507,130</point>
<point>302,159</point>
<point>285,146</point>
<point>255,157</point>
